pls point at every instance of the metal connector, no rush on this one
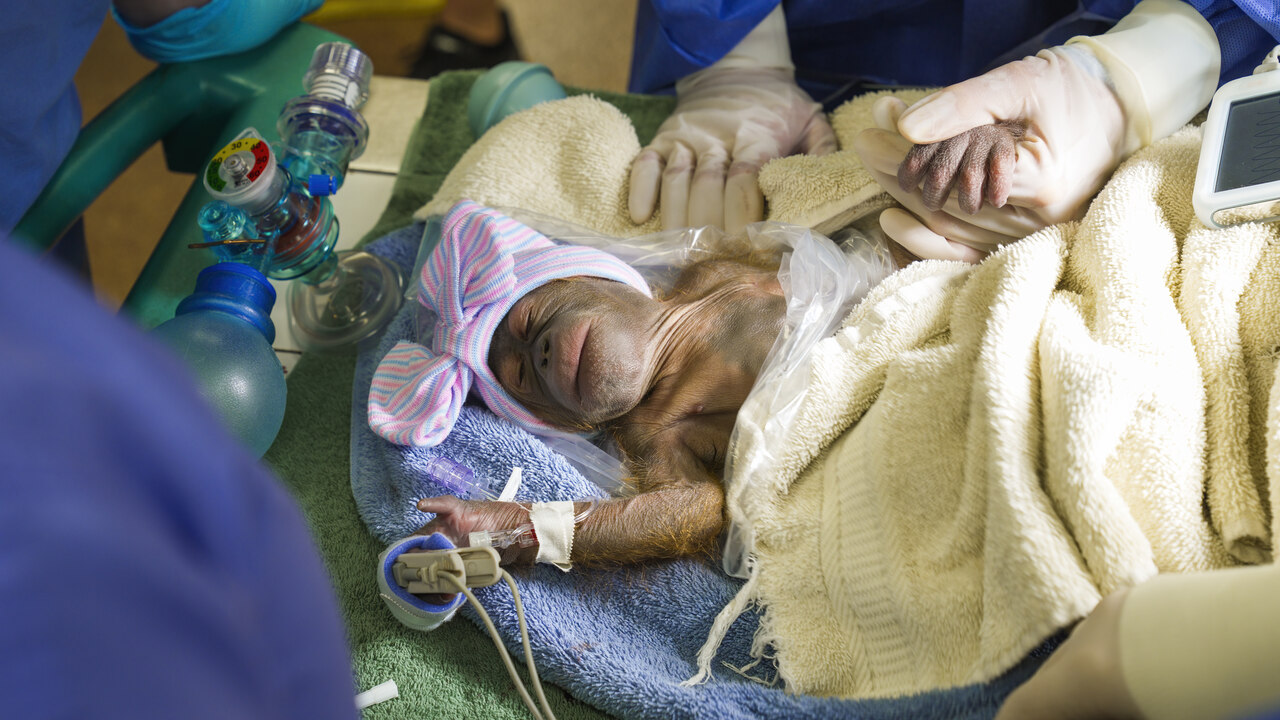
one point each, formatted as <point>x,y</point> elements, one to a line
<point>420,572</point>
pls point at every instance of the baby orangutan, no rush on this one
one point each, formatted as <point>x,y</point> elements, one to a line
<point>570,338</point>
<point>665,377</point>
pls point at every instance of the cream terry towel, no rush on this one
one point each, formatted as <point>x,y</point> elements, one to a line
<point>1231,300</point>
<point>571,159</point>
<point>981,453</point>
<point>828,192</point>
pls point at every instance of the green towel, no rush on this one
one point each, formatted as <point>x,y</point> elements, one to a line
<point>453,672</point>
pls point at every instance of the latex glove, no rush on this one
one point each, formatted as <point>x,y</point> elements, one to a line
<point>1071,114</point>
<point>1083,677</point>
<point>1061,132</point>
<point>220,27</point>
<point>705,158</point>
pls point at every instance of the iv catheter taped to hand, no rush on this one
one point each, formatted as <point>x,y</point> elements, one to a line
<point>221,27</point>
<point>554,521</point>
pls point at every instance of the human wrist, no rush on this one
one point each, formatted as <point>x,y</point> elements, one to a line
<point>1110,682</point>
<point>765,46</point>
<point>726,81</point>
<point>143,14</point>
<point>1162,60</point>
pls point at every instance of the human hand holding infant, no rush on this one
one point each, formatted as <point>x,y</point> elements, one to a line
<point>995,158</point>
<point>1070,114</point>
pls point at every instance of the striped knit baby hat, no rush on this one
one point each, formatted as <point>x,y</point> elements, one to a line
<point>484,263</point>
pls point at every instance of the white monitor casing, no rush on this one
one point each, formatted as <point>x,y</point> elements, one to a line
<point>1258,202</point>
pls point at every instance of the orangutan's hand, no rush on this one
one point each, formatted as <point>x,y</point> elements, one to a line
<point>456,519</point>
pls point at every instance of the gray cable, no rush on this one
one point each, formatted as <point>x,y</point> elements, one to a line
<point>528,652</point>
<point>502,650</point>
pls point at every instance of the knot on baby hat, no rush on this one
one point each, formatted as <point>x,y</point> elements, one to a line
<point>484,263</point>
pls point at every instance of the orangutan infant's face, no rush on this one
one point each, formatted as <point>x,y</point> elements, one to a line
<point>573,351</point>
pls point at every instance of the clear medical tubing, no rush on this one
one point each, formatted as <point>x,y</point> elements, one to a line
<point>223,332</point>
<point>233,238</point>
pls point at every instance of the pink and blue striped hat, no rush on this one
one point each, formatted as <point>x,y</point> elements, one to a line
<point>484,263</point>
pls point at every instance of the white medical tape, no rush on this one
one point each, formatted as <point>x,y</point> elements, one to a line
<point>513,485</point>
<point>553,524</point>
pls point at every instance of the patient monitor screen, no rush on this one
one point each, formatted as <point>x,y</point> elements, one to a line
<point>1250,143</point>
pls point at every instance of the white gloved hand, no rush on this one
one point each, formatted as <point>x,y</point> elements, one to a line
<point>727,123</point>
<point>1060,133</point>
<point>1063,120</point>
<point>1083,678</point>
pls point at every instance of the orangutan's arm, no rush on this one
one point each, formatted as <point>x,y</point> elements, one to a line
<point>679,511</point>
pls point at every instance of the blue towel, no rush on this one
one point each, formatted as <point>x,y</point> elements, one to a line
<point>621,640</point>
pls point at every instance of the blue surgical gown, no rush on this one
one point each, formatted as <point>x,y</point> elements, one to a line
<point>840,47</point>
<point>41,46</point>
<point>150,567</point>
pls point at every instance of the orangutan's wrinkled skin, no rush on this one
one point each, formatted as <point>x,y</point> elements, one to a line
<point>978,164</point>
<point>665,377</point>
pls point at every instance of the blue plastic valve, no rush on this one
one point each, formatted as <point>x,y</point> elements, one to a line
<point>320,185</point>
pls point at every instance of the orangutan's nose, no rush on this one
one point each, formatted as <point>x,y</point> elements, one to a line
<point>541,353</point>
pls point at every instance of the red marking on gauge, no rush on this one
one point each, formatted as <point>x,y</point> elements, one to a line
<point>261,156</point>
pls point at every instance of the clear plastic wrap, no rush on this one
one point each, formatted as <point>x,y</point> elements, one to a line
<point>821,278</point>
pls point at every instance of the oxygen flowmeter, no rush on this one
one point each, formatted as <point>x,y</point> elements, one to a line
<point>270,207</point>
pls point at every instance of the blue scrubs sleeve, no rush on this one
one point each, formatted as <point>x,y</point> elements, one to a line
<point>1246,29</point>
<point>675,38</point>
<point>910,42</point>
<point>40,50</point>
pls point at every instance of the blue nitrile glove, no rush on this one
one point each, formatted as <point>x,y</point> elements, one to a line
<point>222,27</point>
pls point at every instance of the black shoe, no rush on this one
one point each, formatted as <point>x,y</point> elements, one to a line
<point>445,50</point>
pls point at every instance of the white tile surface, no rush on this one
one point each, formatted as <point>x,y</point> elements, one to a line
<point>392,111</point>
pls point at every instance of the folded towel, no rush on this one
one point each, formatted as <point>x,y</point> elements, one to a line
<point>1230,293</point>
<point>828,192</point>
<point>991,449</point>
<point>622,640</point>
<point>571,159</point>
